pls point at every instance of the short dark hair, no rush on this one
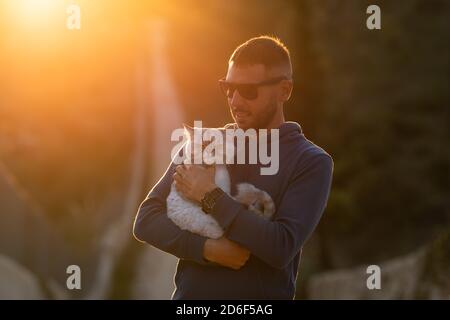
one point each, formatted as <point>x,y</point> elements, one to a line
<point>266,50</point>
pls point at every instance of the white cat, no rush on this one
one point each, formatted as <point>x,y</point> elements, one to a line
<point>188,215</point>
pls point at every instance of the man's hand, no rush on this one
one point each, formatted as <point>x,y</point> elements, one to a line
<point>226,253</point>
<point>193,181</point>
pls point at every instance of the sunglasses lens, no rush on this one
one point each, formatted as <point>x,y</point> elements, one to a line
<point>248,92</point>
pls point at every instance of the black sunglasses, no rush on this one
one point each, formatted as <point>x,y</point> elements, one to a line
<point>247,91</point>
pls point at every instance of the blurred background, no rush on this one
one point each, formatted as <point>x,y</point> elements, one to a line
<point>86,117</point>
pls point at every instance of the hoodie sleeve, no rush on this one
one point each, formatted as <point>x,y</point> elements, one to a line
<point>152,225</point>
<point>278,241</point>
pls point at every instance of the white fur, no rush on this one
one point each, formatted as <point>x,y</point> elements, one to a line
<point>189,216</point>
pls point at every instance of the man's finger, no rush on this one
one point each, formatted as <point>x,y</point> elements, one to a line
<point>176,176</point>
<point>180,169</point>
<point>179,179</point>
<point>180,187</point>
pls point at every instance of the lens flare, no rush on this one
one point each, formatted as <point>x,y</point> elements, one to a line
<point>34,13</point>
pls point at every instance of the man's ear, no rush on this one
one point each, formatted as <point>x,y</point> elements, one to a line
<point>286,89</point>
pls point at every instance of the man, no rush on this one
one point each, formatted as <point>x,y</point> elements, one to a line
<point>257,258</point>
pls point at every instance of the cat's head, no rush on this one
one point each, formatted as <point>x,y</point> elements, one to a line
<point>208,144</point>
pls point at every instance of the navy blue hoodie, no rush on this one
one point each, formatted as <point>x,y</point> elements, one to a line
<point>300,191</point>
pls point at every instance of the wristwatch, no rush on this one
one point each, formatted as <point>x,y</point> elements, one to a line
<point>210,198</point>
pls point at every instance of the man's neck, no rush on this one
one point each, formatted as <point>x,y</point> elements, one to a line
<point>276,122</point>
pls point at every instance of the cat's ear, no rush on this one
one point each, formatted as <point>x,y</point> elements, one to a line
<point>188,131</point>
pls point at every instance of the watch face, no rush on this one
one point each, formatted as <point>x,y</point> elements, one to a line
<point>210,203</point>
<point>206,205</point>
<point>209,200</point>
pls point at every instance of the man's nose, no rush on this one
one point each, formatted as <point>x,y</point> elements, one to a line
<point>236,100</point>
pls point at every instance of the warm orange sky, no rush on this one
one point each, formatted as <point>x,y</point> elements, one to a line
<point>45,66</point>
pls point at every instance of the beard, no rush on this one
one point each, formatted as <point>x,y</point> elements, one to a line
<point>263,118</point>
<point>260,119</point>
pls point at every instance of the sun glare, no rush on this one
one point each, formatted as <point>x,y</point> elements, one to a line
<point>33,13</point>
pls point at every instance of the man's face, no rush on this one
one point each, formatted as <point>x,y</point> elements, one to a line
<point>253,113</point>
